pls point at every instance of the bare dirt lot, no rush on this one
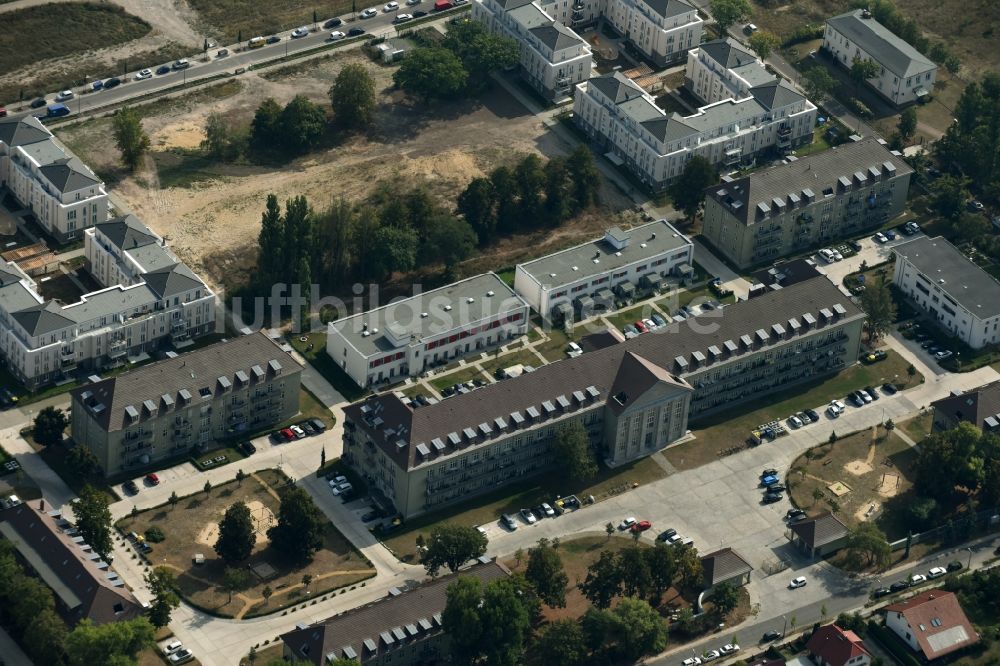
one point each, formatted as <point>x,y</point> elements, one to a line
<point>211,212</point>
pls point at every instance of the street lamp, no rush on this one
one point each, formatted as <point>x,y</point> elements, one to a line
<point>784,629</point>
<point>969,565</point>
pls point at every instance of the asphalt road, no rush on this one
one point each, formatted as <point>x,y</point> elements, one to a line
<point>87,100</point>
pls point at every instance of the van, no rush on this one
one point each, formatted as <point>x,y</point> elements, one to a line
<point>255,42</point>
<point>57,110</point>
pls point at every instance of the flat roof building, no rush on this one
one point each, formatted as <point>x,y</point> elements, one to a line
<point>409,336</point>
<point>649,251</point>
<point>959,295</point>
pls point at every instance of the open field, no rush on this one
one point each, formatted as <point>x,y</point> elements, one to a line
<point>191,528</point>
<point>918,427</point>
<point>732,428</point>
<point>213,221</point>
<point>228,18</point>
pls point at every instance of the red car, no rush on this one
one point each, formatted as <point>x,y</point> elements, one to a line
<point>3,112</point>
<point>641,326</point>
<point>287,434</point>
<point>153,479</point>
<point>641,526</point>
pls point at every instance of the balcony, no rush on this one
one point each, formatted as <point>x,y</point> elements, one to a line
<point>732,157</point>
<point>117,349</point>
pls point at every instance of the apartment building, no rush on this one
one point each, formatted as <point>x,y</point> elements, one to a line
<point>59,190</point>
<point>959,295</point>
<point>553,57</point>
<point>724,69</point>
<point>187,403</point>
<point>633,398</point>
<point>979,406</point>
<point>662,30</point>
<point>148,300</point>
<point>822,198</point>
<point>409,336</point>
<point>624,120</point>
<point>582,280</point>
<point>905,75</point>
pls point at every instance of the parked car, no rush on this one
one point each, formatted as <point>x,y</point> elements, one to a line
<point>65,96</point>
<point>336,36</point>
<point>769,636</point>
<point>855,399</point>
<point>640,526</point>
<point>248,448</point>
<point>943,354</point>
<point>153,479</point>
<point>889,388</point>
<point>692,661</point>
<point>711,655</point>
<point>865,398</point>
<point>795,421</point>
<point>955,565</point>
<point>160,71</point>
<point>143,74</point>
<point>916,579</point>
<point>131,487</point>
<point>390,7</point>
<point>827,255</point>
<point>113,82</point>
<point>874,357</point>
<point>508,521</point>
<point>369,517</point>
<point>627,523</point>
<point>729,648</point>
<point>354,32</point>
<point>172,647</point>
<point>797,582</point>
<point>528,516</point>
<point>181,64</point>
<point>332,23</point>
<point>771,498</point>
<point>300,32</point>
<point>369,13</point>
<point>898,586</point>
<point>641,326</point>
<point>658,320</point>
<point>777,488</point>
<point>891,235</point>
<point>181,656</point>
<point>222,53</point>
<point>769,480</point>
<point>666,535</point>
<point>870,390</point>
<point>975,206</point>
<point>307,427</point>
<point>880,592</point>
<point>937,572</point>
<point>297,431</point>
<point>813,415</point>
<point>273,39</point>
<point>286,435</point>
<point>548,510</point>
<point>402,18</point>
<point>792,513</point>
<point>573,350</point>
<point>770,471</point>
<point>7,396</point>
<point>880,238</point>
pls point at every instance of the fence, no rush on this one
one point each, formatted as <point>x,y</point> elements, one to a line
<point>980,522</point>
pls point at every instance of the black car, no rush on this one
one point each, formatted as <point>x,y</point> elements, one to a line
<point>870,390</point>
<point>771,498</point>
<point>419,14</point>
<point>954,565</point>
<point>354,32</point>
<point>813,415</point>
<point>307,427</point>
<point>666,534</point>
<point>248,448</point>
<point>318,424</point>
<point>38,103</point>
<point>769,636</point>
<point>880,592</point>
<point>369,517</point>
<point>889,388</point>
<point>792,513</point>
<point>163,69</point>
<point>273,39</point>
<point>777,488</point>
<point>332,23</point>
<point>131,487</point>
<point>769,472</point>
<point>898,586</point>
<point>112,82</point>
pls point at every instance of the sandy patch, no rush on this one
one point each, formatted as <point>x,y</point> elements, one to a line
<point>182,135</point>
<point>838,488</point>
<point>888,485</point>
<point>262,517</point>
<point>867,511</point>
<point>858,467</point>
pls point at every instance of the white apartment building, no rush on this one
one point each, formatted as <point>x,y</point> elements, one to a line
<point>662,30</point>
<point>588,277</point>
<point>553,57</point>
<point>906,75</point>
<point>59,190</point>
<point>409,336</point>
<point>625,120</point>
<point>724,69</point>
<point>960,296</point>
<point>159,301</point>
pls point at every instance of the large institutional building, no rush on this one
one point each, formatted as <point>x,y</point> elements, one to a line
<point>633,398</point>
<point>59,190</point>
<point>959,295</point>
<point>828,196</point>
<point>413,335</point>
<point>186,403</point>
<point>583,279</point>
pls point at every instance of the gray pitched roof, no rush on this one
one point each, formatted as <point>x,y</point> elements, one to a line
<point>42,318</point>
<point>776,94</point>
<point>723,565</point>
<point>974,406</point>
<point>821,530</point>
<point>669,8</point>
<point>171,280</point>
<point>616,86</point>
<point>955,274</point>
<point>513,4</point>
<point>22,131</point>
<point>69,174</point>
<point>728,52</point>
<point>127,232</point>
<point>556,36</point>
<point>892,52</point>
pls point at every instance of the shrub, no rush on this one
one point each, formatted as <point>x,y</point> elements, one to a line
<point>804,33</point>
<point>155,535</point>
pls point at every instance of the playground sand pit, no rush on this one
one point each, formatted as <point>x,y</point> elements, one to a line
<point>867,511</point>
<point>858,467</point>
<point>838,488</point>
<point>260,515</point>
<point>889,485</point>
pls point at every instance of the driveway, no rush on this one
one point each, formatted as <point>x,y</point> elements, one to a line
<point>871,254</point>
<point>718,268</point>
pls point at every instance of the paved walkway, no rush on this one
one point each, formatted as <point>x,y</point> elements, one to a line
<point>718,268</point>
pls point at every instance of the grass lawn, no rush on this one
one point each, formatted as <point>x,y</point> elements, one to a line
<point>55,458</point>
<point>918,427</point>
<point>183,168</point>
<point>207,461</point>
<point>818,145</point>
<point>877,472</point>
<point>466,374</point>
<point>507,275</point>
<point>554,349</point>
<point>517,357</point>
<point>732,427</point>
<point>324,365</point>
<point>265,655</point>
<point>510,499</point>
<point>59,286</point>
<point>309,407</point>
<point>225,19</point>
<point>190,528</point>
<point>622,318</point>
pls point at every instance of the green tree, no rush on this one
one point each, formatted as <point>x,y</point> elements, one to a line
<point>430,73</point>
<point>867,543</point>
<point>505,195</point>
<point>236,534</point>
<point>475,204</point>
<point>43,638</point>
<point>49,426</point>
<point>452,546</point>
<point>163,584</point>
<point>558,191</point>
<point>609,529</point>
<point>725,597</point>
<point>863,69</point>
<point>480,51</point>
<point>604,580</point>
<point>394,248</point>
<point>335,250</point>
<point>83,461</point>
<point>728,12</point>
<point>584,175</point>
<point>265,129</point>
<point>907,126</point>
<point>506,623</point>
<point>641,630</point>
<point>113,644</point>
<point>302,124</point>
<point>818,83</point>
<point>545,571</point>
<point>634,571</point>
<point>296,237</point>
<point>240,475</point>
<point>599,629</point>
<point>449,241</point>
<point>27,598</point>
<point>267,592</point>
<point>561,643</point>
<point>173,499</point>
<point>948,461</point>
<point>93,520</point>
<point>572,447</point>
<point>234,580</point>
<point>299,530</point>
<point>353,97</point>
<point>461,619</point>
<point>763,43</point>
<point>130,138</point>
<point>207,487</point>
<point>878,304</point>
<point>306,579</point>
<point>271,243</point>
<point>688,191</point>
<point>224,141</point>
<point>530,177</point>
<point>689,571</point>
<point>662,565</point>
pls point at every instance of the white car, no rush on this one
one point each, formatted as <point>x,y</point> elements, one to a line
<point>711,655</point>
<point>299,432</point>
<point>65,95</point>
<point>692,661</point>
<point>795,421</point>
<point>411,3</point>
<point>837,256</point>
<point>937,572</point>
<point>942,355</point>
<point>573,350</point>
<point>181,656</point>
<point>390,7</point>
<point>834,410</point>
<point>650,324</point>
<point>729,648</point>
<point>916,579</point>
<point>300,32</point>
<point>172,647</point>
<point>528,516</point>
<point>880,238</point>
<point>627,523</point>
<point>370,12</point>
<point>827,255</point>
<point>336,36</point>
<point>481,529</point>
<point>143,74</point>
<point>797,582</point>
<point>549,511</point>
<point>402,18</point>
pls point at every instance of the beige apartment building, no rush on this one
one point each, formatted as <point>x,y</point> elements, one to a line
<point>633,398</point>
<point>187,403</point>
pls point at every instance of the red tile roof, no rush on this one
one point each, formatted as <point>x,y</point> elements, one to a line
<point>835,646</point>
<point>937,621</point>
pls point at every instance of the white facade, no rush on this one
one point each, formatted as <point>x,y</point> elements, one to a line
<point>410,336</point>
<point>624,119</point>
<point>553,57</point>
<point>61,192</point>
<point>723,69</point>
<point>905,76</point>
<point>662,31</point>
<point>897,622</point>
<point>960,296</point>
